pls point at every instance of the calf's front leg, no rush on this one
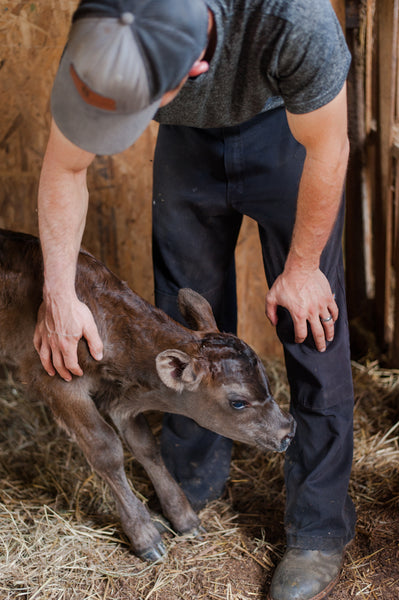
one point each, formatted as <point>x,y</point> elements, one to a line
<point>76,412</point>
<point>139,438</point>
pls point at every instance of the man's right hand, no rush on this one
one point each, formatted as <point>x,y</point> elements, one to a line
<point>60,326</point>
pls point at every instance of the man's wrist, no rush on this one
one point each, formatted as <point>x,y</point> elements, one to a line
<point>58,292</point>
<point>298,261</point>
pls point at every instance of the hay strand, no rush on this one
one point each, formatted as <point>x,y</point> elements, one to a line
<point>60,537</point>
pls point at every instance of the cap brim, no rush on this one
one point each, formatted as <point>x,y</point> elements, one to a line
<point>93,129</point>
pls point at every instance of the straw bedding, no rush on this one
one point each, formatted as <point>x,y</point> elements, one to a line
<point>60,537</point>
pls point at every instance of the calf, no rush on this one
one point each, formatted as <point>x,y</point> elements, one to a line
<point>150,362</point>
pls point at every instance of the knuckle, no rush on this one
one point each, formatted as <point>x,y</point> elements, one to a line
<point>300,334</point>
<point>58,363</point>
<point>72,366</point>
<point>63,345</point>
<point>44,353</point>
<point>300,314</point>
<point>269,302</point>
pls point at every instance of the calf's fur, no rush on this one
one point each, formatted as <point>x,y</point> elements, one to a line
<point>150,362</point>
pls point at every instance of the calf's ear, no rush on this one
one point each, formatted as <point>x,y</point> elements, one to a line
<point>178,371</point>
<point>196,311</point>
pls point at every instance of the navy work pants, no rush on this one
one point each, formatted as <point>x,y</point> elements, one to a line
<point>205,180</point>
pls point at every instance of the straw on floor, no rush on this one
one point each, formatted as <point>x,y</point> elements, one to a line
<point>60,537</point>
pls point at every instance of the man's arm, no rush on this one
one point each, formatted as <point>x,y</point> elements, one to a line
<point>62,205</point>
<point>302,288</point>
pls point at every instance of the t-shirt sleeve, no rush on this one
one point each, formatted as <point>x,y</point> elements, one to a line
<point>313,60</point>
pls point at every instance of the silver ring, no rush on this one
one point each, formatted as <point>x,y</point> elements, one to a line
<point>326,320</point>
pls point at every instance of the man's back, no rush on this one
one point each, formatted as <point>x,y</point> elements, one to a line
<point>267,53</point>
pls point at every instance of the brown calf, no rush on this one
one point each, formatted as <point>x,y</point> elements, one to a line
<point>150,363</point>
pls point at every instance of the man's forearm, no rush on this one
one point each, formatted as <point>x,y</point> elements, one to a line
<point>319,199</point>
<point>62,205</point>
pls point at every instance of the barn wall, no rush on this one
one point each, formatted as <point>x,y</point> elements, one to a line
<point>372,240</point>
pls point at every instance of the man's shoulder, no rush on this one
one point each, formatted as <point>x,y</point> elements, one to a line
<point>296,11</point>
<point>296,14</point>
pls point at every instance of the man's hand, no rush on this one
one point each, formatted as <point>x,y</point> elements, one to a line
<point>60,326</point>
<point>308,298</point>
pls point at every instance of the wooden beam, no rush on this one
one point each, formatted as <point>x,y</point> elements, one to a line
<point>355,216</point>
<point>387,53</point>
<point>395,140</point>
<point>339,7</point>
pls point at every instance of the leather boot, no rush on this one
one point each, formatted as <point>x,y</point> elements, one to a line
<point>306,574</point>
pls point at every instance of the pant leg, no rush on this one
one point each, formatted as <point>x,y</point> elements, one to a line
<point>194,236</point>
<point>319,512</point>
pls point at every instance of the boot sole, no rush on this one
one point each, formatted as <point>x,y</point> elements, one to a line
<point>323,594</point>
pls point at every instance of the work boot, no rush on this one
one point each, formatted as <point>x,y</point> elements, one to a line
<point>306,574</point>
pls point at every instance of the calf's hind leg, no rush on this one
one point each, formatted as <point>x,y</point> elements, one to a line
<point>138,436</point>
<point>102,448</point>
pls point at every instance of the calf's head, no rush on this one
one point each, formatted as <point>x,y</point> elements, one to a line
<point>221,383</point>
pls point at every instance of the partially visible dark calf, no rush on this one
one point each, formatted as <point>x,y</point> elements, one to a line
<point>150,363</point>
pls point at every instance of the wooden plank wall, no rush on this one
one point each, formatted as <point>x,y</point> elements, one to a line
<point>387,259</point>
<point>372,240</point>
<point>386,30</point>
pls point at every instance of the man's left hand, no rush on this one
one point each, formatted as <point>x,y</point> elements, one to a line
<point>309,299</point>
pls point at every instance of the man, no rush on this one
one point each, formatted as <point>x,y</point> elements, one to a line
<point>251,99</point>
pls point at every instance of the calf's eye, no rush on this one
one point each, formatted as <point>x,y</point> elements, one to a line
<point>238,404</point>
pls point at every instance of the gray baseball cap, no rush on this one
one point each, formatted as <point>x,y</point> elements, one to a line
<point>120,58</point>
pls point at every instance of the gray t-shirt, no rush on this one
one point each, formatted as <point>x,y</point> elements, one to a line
<point>268,53</point>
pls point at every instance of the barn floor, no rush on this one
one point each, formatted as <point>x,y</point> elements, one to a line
<point>60,538</point>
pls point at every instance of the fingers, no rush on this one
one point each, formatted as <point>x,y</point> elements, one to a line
<point>320,335</point>
<point>58,355</point>
<point>309,301</point>
<point>327,324</point>
<point>94,341</point>
<point>328,321</point>
<point>65,356</point>
<point>300,327</point>
<point>322,329</point>
<point>323,326</point>
<point>44,352</point>
<point>271,309</point>
<point>332,308</point>
<point>58,351</point>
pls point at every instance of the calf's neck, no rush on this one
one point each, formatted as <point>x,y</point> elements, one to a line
<point>150,362</point>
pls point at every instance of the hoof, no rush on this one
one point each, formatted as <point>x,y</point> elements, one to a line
<point>153,554</point>
<point>197,533</point>
<point>161,524</point>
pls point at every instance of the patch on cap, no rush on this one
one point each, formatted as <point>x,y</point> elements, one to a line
<point>90,96</point>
